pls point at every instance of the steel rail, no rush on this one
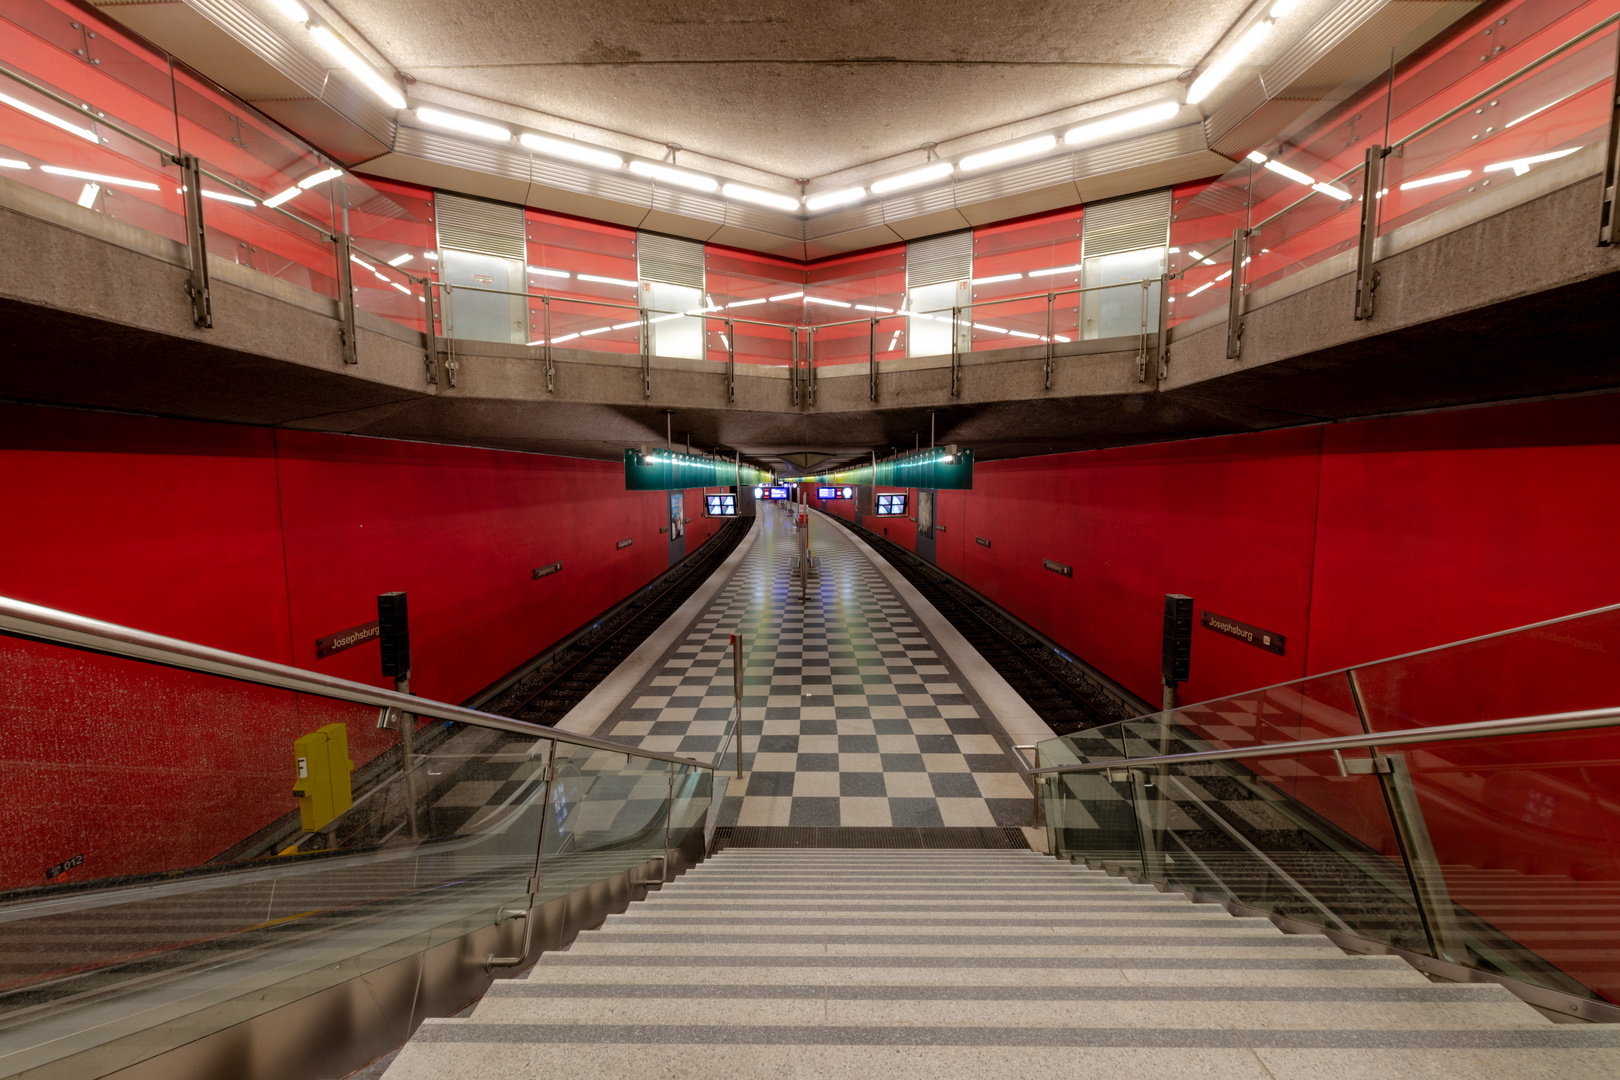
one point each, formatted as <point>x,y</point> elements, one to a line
<point>691,313</point>
<point>1480,729</point>
<point>20,619</point>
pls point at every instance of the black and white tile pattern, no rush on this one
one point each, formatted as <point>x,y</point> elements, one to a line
<point>852,716</point>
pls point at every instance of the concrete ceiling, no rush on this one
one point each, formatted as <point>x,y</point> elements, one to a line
<point>789,88</point>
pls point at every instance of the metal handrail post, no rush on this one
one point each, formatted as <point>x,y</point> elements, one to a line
<point>731,360</point>
<point>871,362</point>
<point>646,352</point>
<point>1366,276</point>
<point>536,882</point>
<point>1142,348</point>
<point>345,283</point>
<point>1234,301</point>
<point>793,372</point>
<point>202,309</point>
<point>545,316</point>
<point>1164,327</point>
<point>956,345</point>
<point>1051,300</point>
<point>810,366</point>
<point>1609,194</point>
<point>430,333</point>
<point>737,693</point>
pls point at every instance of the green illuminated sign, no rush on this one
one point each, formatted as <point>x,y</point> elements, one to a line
<point>664,470</point>
<point>939,467</point>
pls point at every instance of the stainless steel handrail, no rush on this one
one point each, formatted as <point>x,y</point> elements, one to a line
<point>22,619</point>
<point>1481,729</point>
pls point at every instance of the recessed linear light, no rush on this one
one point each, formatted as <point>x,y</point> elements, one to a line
<point>760,198</point>
<point>679,177</point>
<point>1010,152</point>
<point>464,125</point>
<point>828,199</point>
<point>87,197</point>
<point>996,278</point>
<point>223,197</point>
<point>357,259</point>
<point>316,178</point>
<point>1049,271</point>
<point>1282,7</point>
<point>401,260</point>
<point>292,9</point>
<point>1224,66</point>
<point>546,271</point>
<point>400,287</point>
<point>1441,179</point>
<point>786,296</point>
<point>1520,166</point>
<point>936,171</point>
<point>340,51</point>
<point>585,155</point>
<point>13,163</point>
<point>824,300</point>
<point>607,280</point>
<point>747,303</point>
<point>116,181</point>
<point>869,307</point>
<point>40,114</point>
<point>1108,126</point>
<point>282,196</point>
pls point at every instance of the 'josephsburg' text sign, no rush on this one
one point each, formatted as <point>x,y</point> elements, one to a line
<point>1260,639</point>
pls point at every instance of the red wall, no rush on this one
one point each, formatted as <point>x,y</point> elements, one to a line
<point>259,541</point>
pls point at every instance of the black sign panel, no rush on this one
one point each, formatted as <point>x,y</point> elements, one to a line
<point>626,543</point>
<point>1175,659</point>
<point>546,571</point>
<point>1058,568</point>
<point>1260,639</point>
<point>63,867</point>
<point>345,639</point>
<point>981,541</point>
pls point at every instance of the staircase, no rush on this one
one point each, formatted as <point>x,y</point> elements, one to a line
<point>804,963</point>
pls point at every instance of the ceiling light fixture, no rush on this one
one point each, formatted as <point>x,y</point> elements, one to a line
<point>13,163</point>
<point>282,196</point>
<point>824,300</point>
<point>1332,192</point>
<point>40,114</point>
<point>292,9</point>
<point>775,201</point>
<point>546,271</point>
<point>1441,179</point>
<point>462,125</point>
<point>607,280</point>
<point>1292,173</point>
<point>747,303</point>
<point>401,260</point>
<point>223,197</point>
<point>827,199</point>
<point>786,296</point>
<point>87,197</point>
<point>1010,152</point>
<point>996,278</point>
<point>339,50</point>
<point>1228,62</point>
<point>1051,270</point>
<point>1520,166</point>
<point>869,307</point>
<point>679,177</point>
<point>321,177</point>
<point>936,171</point>
<point>79,174</point>
<point>1283,7</point>
<point>1108,126</point>
<point>557,148</point>
<point>400,287</point>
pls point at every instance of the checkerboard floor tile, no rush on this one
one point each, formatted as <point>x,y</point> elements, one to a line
<point>852,714</point>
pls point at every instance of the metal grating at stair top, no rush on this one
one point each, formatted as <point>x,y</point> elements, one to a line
<point>484,228</point>
<point>797,963</point>
<point>1129,224</point>
<point>669,261</point>
<point>939,259</point>
<point>847,837</point>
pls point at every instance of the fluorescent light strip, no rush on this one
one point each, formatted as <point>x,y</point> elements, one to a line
<point>1520,166</point>
<point>585,155</point>
<point>1200,288</point>
<point>368,75</point>
<point>666,318</point>
<point>116,181</point>
<point>606,280</point>
<point>824,300</point>
<point>292,9</point>
<point>565,337</point>
<point>282,196</point>
<point>1533,112</point>
<point>68,126</point>
<point>316,178</point>
<point>1282,7</point>
<point>678,177</point>
<point>1147,116</point>
<point>1075,269</point>
<point>362,262</point>
<point>984,326</point>
<point>224,197</point>
<point>401,260</point>
<point>869,307</point>
<point>828,199</point>
<point>626,325</point>
<point>1224,66</point>
<point>747,303</point>
<point>1443,178</point>
<point>546,271</point>
<point>998,277</point>
<point>1010,152</point>
<point>13,163</point>
<point>1292,173</point>
<point>936,171</point>
<point>786,296</point>
<point>87,197</point>
<point>760,198</point>
<point>400,287</point>
<point>464,125</point>
<point>1020,333</point>
<point>1332,192</point>
<point>595,330</point>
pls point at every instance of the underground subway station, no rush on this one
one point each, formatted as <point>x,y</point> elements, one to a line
<point>810,540</point>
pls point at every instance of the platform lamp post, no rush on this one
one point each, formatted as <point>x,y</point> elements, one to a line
<point>1175,658</point>
<point>394,639</point>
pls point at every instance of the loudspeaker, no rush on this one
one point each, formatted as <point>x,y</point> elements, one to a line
<point>393,634</point>
<point>1176,658</point>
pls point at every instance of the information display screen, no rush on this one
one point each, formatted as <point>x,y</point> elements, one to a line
<point>835,493</point>
<point>891,505</point>
<point>720,505</point>
<point>775,493</point>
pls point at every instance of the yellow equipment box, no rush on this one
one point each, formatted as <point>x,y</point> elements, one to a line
<point>322,787</point>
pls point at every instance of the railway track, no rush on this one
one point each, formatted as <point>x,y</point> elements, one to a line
<point>1059,692</point>
<point>547,693</point>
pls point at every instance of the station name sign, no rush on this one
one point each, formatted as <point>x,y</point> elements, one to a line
<point>1058,568</point>
<point>345,639</point>
<point>547,571</point>
<point>1260,639</point>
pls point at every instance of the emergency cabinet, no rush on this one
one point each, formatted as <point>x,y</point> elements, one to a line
<point>322,787</point>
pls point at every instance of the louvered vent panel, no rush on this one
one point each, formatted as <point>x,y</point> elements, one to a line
<point>671,261</point>
<point>1130,224</point>
<point>449,150</point>
<point>1317,42</point>
<point>939,258</point>
<point>485,228</point>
